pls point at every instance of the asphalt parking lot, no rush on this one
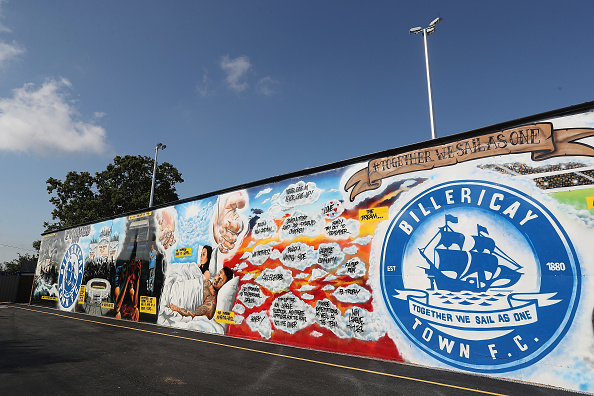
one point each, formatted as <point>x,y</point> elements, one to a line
<point>45,351</point>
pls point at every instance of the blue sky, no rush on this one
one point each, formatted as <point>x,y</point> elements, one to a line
<point>243,90</point>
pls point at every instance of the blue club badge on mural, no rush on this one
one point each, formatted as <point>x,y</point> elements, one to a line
<point>480,276</point>
<point>71,274</point>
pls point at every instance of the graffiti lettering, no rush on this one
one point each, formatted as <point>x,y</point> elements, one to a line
<point>464,196</point>
<point>355,321</point>
<point>264,252</point>
<point>75,234</point>
<point>272,277</point>
<point>408,159</point>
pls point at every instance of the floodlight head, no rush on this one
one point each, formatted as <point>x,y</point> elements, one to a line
<point>416,30</point>
<point>163,147</point>
<point>430,30</point>
<point>435,22</point>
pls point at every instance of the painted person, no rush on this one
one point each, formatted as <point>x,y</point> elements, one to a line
<point>209,296</point>
<point>204,261</point>
<point>150,283</point>
<point>130,279</point>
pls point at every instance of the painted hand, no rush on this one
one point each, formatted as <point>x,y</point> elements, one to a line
<point>228,223</point>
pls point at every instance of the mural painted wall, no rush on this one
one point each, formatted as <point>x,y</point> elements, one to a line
<point>473,255</point>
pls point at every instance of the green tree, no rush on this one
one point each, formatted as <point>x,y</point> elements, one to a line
<point>16,264</point>
<point>123,187</point>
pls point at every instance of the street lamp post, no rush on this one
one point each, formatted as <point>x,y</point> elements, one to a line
<point>162,147</point>
<point>426,32</point>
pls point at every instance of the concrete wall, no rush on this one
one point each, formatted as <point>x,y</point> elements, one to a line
<point>470,253</point>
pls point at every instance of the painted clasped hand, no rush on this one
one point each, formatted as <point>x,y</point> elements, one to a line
<point>228,223</point>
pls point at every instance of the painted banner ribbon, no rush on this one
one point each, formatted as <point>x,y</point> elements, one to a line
<point>523,311</point>
<point>540,139</point>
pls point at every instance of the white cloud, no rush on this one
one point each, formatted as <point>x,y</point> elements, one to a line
<point>264,228</point>
<point>251,295</point>
<point>275,279</point>
<point>317,274</point>
<point>330,255</point>
<point>258,321</point>
<point>290,314</point>
<point>42,121</point>
<point>306,288</point>
<point>2,27</point>
<point>351,249</point>
<point>574,121</point>
<point>260,254</point>
<point>342,228</point>
<point>9,51</point>
<point>299,255</point>
<point>363,240</point>
<point>236,69</point>
<point>352,294</point>
<point>267,86</point>
<point>263,192</point>
<point>300,193</point>
<point>247,277</point>
<point>239,267</point>
<point>202,87</point>
<point>355,268</point>
<point>238,308</point>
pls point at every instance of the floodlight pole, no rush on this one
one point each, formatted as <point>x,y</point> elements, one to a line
<point>433,134</point>
<point>162,147</point>
<point>427,31</point>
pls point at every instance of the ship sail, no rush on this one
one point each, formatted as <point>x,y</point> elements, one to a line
<point>448,238</point>
<point>452,261</point>
<point>482,243</point>
<point>484,266</point>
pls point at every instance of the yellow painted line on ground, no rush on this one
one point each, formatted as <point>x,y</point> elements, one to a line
<point>269,353</point>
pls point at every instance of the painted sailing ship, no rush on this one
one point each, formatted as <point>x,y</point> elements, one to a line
<point>478,269</point>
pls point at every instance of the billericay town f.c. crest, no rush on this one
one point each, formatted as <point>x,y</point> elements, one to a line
<point>480,276</point>
<point>71,274</point>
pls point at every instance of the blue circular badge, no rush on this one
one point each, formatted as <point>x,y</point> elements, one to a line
<point>480,276</point>
<point>71,274</point>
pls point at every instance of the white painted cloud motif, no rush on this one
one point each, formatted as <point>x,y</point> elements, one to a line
<point>251,295</point>
<point>352,294</point>
<point>341,228</point>
<point>330,255</point>
<point>297,194</point>
<point>276,279</point>
<point>300,224</point>
<point>290,314</point>
<point>264,228</point>
<point>258,321</point>
<point>355,268</point>
<point>260,254</point>
<point>299,255</point>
